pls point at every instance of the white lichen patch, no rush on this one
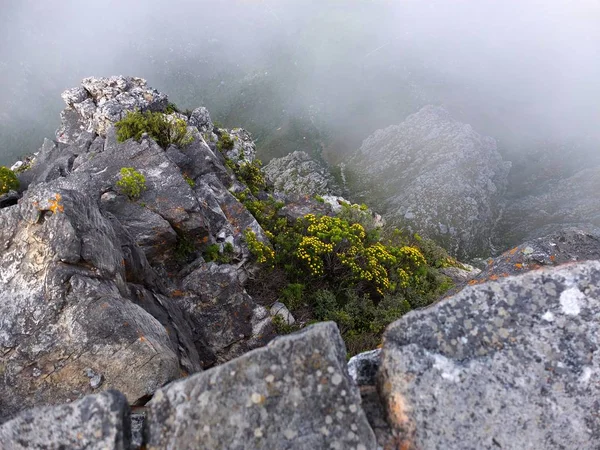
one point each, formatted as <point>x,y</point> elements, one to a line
<point>570,301</point>
<point>548,316</point>
<point>448,370</point>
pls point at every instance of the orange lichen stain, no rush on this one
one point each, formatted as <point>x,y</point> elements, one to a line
<point>177,293</point>
<point>512,251</point>
<point>55,205</point>
<point>493,277</point>
<point>104,305</point>
<point>472,282</point>
<point>552,258</point>
<point>505,274</point>
<point>518,266</point>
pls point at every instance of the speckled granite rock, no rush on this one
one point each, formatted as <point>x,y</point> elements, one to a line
<point>295,393</point>
<point>364,366</point>
<point>298,174</point>
<point>438,176</point>
<point>511,364</point>
<point>95,422</point>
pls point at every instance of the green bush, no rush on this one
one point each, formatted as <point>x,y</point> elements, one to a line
<point>8,180</point>
<point>165,131</point>
<point>213,253</point>
<point>225,142</point>
<point>132,183</point>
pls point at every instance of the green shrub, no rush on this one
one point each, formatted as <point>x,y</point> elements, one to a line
<point>132,183</point>
<point>189,181</point>
<point>8,180</point>
<point>185,248</point>
<point>225,142</point>
<point>261,251</point>
<point>250,173</point>
<point>213,253</point>
<point>165,131</point>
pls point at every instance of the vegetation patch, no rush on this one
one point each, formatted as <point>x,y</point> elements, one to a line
<point>343,268</point>
<point>8,180</point>
<point>132,183</point>
<point>164,130</point>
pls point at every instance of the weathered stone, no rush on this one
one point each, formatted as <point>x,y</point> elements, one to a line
<point>298,174</point>
<point>280,310</point>
<point>97,421</point>
<point>66,306</point>
<point>243,150</point>
<point>437,176</point>
<point>364,366</point>
<point>294,393</point>
<point>499,365</point>
<point>100,102</point>
<point>200,118</point>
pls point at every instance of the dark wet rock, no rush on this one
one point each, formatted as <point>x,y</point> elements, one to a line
<point>298,174</point>
<point>97,421</point>
<point>435,175</point>
<point>293,393</point>
<point>9,199</point>
<point>364,366</point>
<point>499,364</point>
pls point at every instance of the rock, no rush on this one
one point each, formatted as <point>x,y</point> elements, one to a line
<point>244,149</point>
<point>9,199</point>
<point>66,305</point>
<point>564,246</point>
<point>100,102</point>
<point>298,174</point>
<point>499,364</point>
<point>435,175</point>
<point>200,118</point>
<point>280,310</point>
<point>570,202</point>
<point>293,393</point>
<point>460,275</point>
<point>364,366</point>
<point>96,421</point>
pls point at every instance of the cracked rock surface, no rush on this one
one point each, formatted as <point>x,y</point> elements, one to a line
<point>510,364</point>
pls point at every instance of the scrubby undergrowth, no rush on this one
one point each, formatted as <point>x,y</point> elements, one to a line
<point>343,268</point>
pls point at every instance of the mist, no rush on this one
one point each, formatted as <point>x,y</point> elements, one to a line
<point>319,75</point>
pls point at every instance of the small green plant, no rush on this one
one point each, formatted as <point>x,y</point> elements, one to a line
<point>189,181</point>
<point>185,247</point>
<point>165,131</point>
<point>171,108</point>
<point>319,199</point>
<point>262,252</point>
<point>282,327</point>
<point>225,142</point>
<point>132,183</point>
<point>8,180</point>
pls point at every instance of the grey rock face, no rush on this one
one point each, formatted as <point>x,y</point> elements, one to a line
<point>564,246</point>
<point>568,202</point>
<point>100,102</point>
<point>97,421</point>
<point>294,393</point>
<point>510,364</point>
<point>244,149</point>
<point>66,306</point>
<point>437,176</point>
<point>298,174</point>
<point>200,118</point>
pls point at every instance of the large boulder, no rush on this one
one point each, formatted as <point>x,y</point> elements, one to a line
<point>294,393</point>
<point>72,304</point>
<point>500,365</point>
<point>436,176</point>
<point>96,421</point>
<point>298,174</point>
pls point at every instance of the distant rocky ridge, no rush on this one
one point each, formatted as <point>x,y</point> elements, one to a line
<point>108,304</point>
<point>436,176</point>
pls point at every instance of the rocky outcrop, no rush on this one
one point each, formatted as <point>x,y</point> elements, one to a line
<point>97,421</point>
<point>571,201</point>
<point>98,103</point>
<point>499,365</point>
<point>98,291</point>
<point>436,176</point>
<point>298,174</point>
<point>294,393</point>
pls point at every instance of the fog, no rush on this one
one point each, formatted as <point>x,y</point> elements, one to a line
<point>316,75</point>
